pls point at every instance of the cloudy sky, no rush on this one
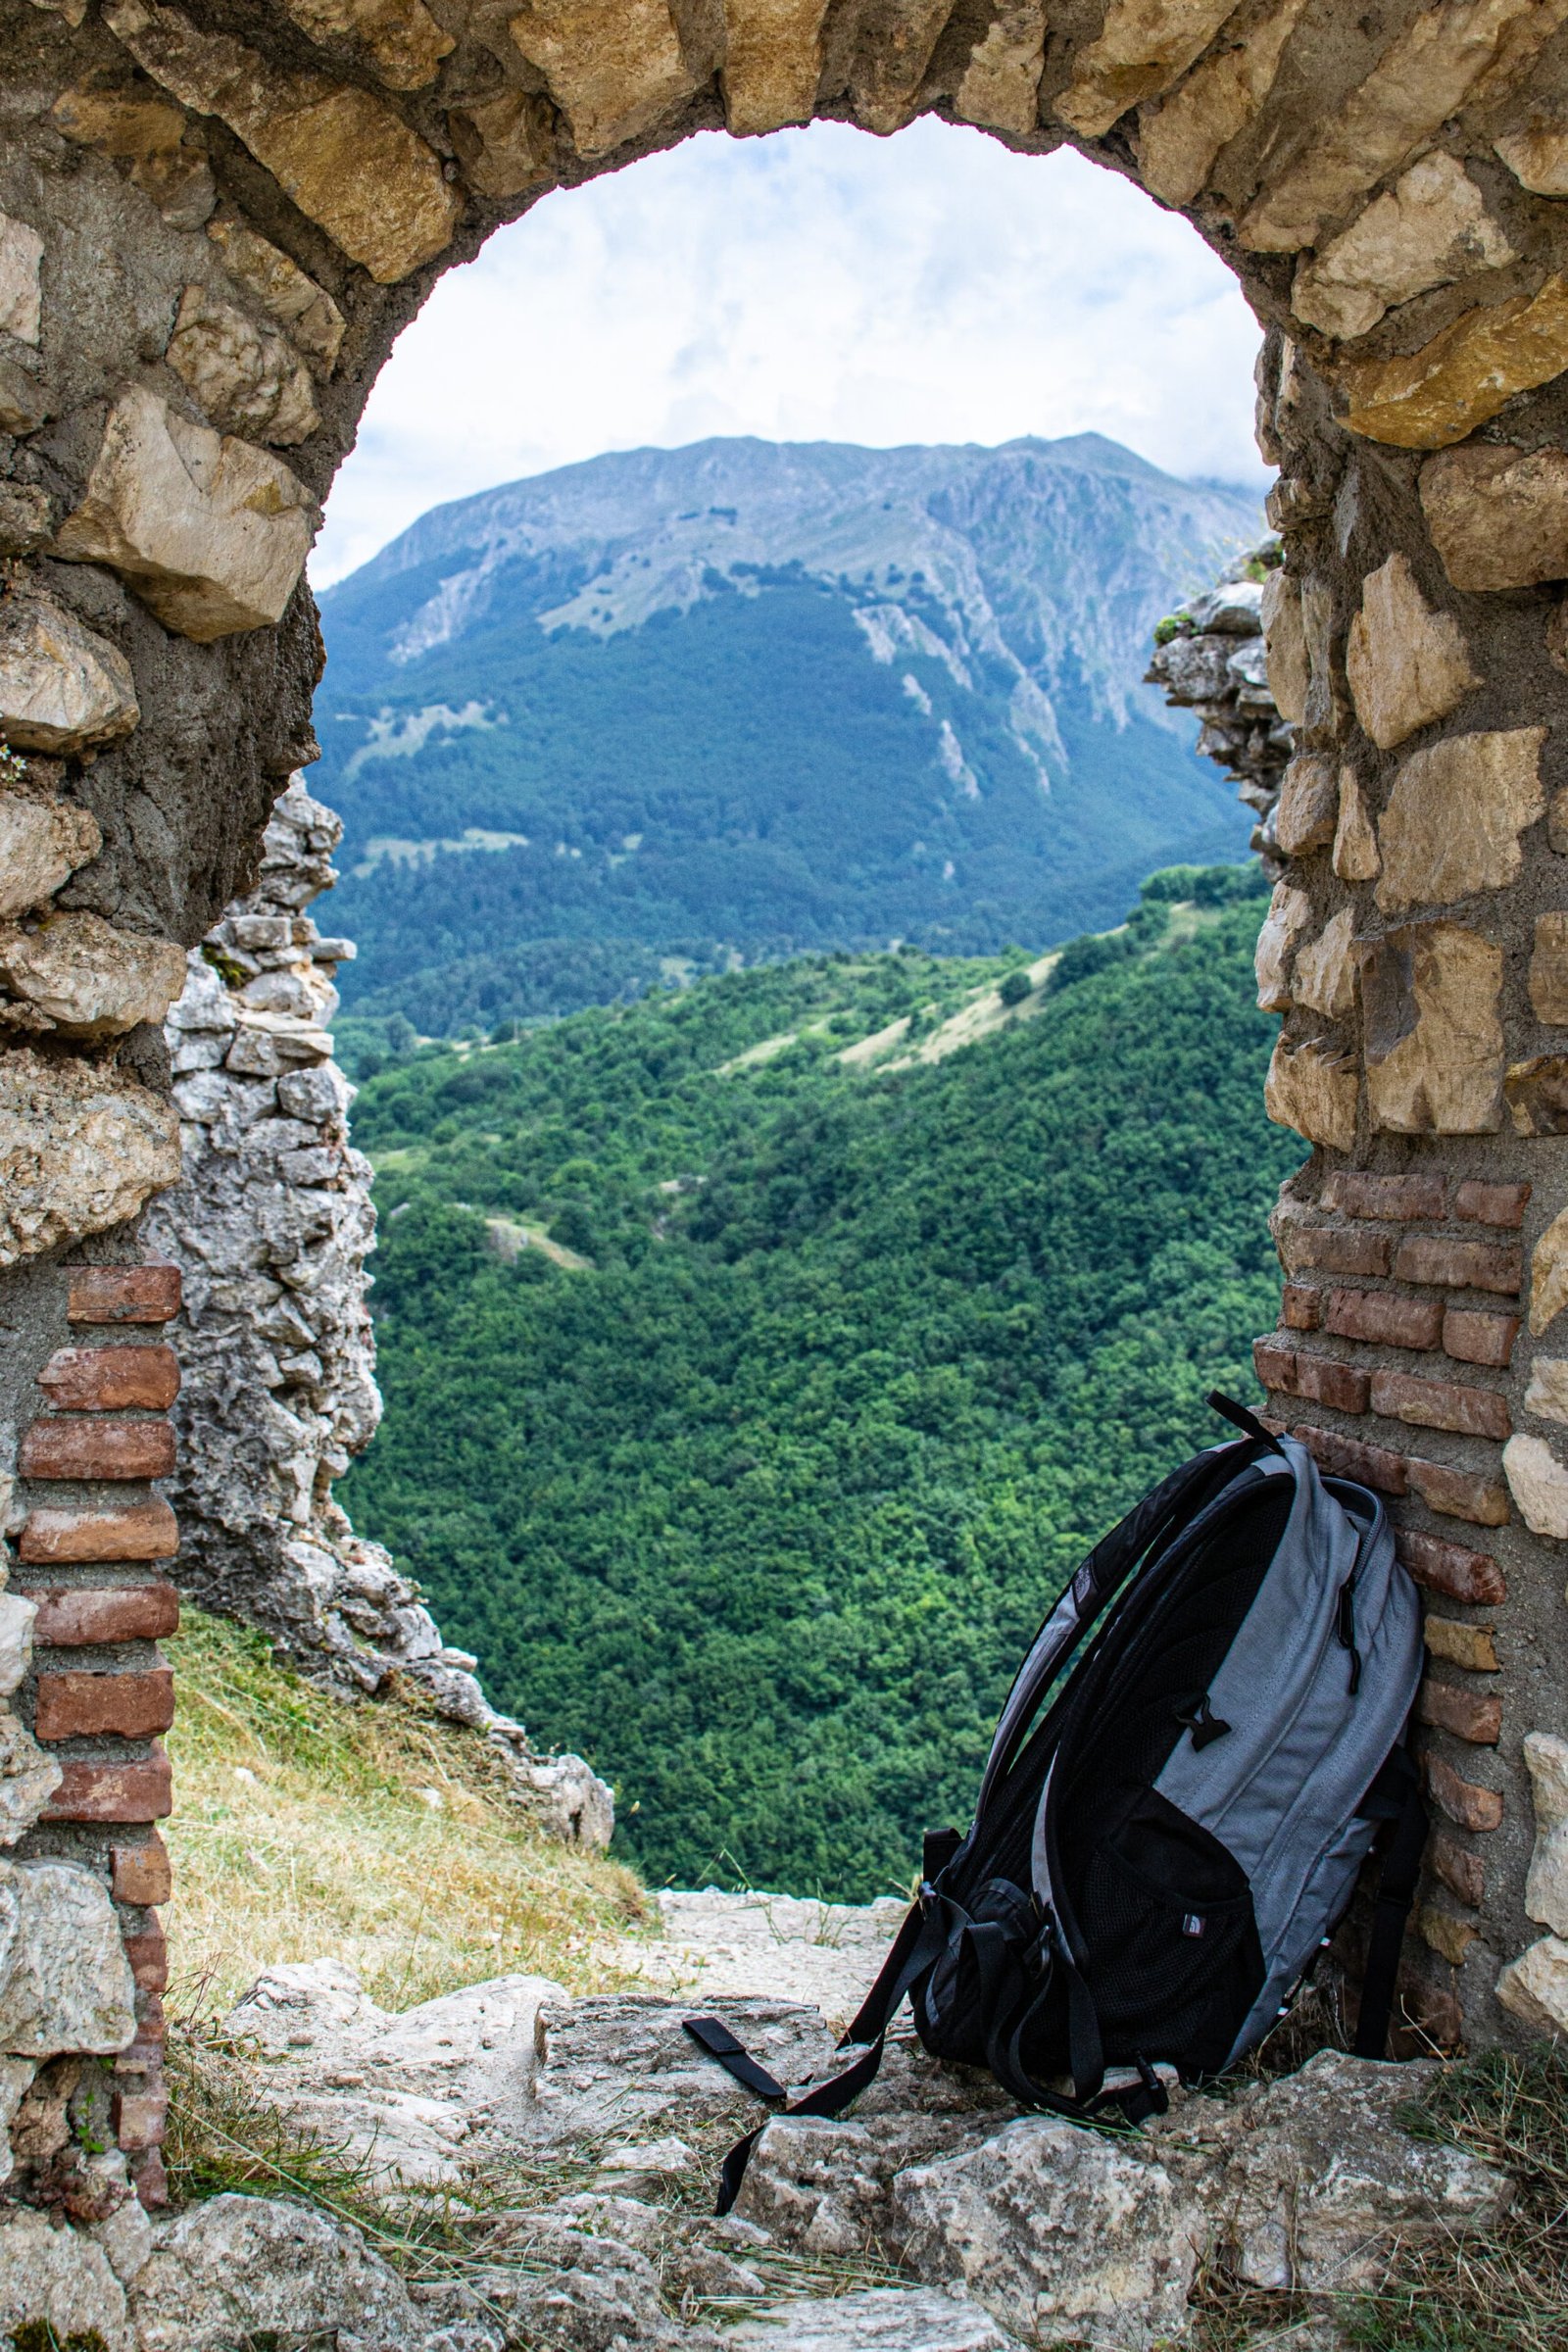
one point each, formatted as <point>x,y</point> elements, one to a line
<point>816,285</point>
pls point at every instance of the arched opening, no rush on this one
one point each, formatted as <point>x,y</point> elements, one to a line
<point>1388,193</point>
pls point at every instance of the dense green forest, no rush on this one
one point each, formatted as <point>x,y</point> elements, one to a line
<point>757,1370</point>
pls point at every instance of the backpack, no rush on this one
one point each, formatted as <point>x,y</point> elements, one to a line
<point>1168,1832</point>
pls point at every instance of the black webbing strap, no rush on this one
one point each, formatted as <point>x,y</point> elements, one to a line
<point>1401,1868</point>
<point>1241,1417</point>
<point>917,1945</point>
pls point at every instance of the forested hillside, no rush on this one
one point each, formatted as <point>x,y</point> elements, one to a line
<point>756,1368</point>
<point>744,699</point>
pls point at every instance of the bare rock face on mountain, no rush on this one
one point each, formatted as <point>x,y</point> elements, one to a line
<point>272,1225</point>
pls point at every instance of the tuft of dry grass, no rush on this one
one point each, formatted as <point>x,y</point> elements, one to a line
<point>377,1835</point>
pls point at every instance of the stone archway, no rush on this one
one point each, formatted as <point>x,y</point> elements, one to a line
<point>215,217</point>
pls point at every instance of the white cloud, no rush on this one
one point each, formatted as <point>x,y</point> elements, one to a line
<point>816,285</point>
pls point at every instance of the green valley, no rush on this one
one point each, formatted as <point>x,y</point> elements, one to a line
<point>760,1356</point>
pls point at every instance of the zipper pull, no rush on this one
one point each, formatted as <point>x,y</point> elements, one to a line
<point>1347,1631</point>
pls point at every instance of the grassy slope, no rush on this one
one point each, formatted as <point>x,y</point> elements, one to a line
<point>378,1835</point>
<point>760,1512</point>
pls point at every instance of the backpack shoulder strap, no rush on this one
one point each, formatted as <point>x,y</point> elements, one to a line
<point>1396,1796</point>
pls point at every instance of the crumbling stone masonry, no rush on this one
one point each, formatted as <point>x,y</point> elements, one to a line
<point>271,1228</point>
<point>214,218</point>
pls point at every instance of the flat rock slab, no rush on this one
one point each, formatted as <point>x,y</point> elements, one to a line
<point>824,1954</point>
<point>880,2319</point>
<point>621,2069</point>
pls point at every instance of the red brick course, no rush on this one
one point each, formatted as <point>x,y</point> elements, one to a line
<point>1467,1714</point>
<point>1298,1373</point>
<point>148,1954</point>
<point>1449,1569</point>
<point>122,1293</point>
<point>1460,1265</point>
<point>1301,1307</point>
<point>98,1449</point>
<point>140,1531</point>
<point>1383,1319</point>
<point>1399,1198</point>
<point>1473,1337</point>
<point>76,1614</point>
<point>1441,1404</point>
<point>1337,1250</point>
<point>1347,1457</point>
<point>1463,1803</point>
<point>93,1792</point>
<point>1492,1204</point>
<point>1460,1494</point>
<point>83,1706</point>
<point>139,2118</point>
<point>108,1380</point>
<point>141,1873</point>
<point>1461,1872</point>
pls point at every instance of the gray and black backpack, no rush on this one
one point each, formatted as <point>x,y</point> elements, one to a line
<point>1201,1746</point>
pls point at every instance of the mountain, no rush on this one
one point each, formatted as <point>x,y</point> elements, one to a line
<point>727,701</point>
<point>759,1359</point>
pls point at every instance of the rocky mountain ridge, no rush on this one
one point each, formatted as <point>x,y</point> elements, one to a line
<point>755,696</point>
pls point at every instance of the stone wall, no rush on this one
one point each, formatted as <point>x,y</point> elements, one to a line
<point>1211,656</point>
<point>271,1226</point>
<point>215,217</point>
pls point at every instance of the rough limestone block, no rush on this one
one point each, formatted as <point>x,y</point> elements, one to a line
<point>1285,636</point>
<point>1314,1089</point>
<point>20,259</point>
<point>1498,516</point>
<point>1179,139</point>
<point>506,144</point>
<point>1433,1037</point>
<point>772,61</point>
<point>1549,1275</point>
<point>237,2267</point>
<point>348,162</point>
<point>64,1982</point>
<point>18,1616</point>
<point>890,61</point>
<point>59,2279</point>
<point>403,42</point>
<point>1538,1485</point>
<point>1326,970</point>
<point>28,1778</point>
<point>1547,1885</point>
<point>210,532</point>
<point>305,311</point>
<point>1548,969</point>
<point>1538,158</point>
<point>1407,664</point>
<point>615,67</point>
<point>1456,814</point>
<point>81,1147</point>
<point>63,688</point>
<point>1421,79</point>
<point>1290,912</point>
<point>1060,2235</point>
<point>1547,1393</point>
<point>1535,1987</point>
<point>244,378</point>
<point>1144,46</point>
<point>1355,856</point>
<point>1308,811</point>
<point>1464,375</point>
<point>1429,228</point>
<point>87,978</point>
<point>23,405</point>
<point>145,131</point>
<point>1536,1095</point>
<point>1000,88</point>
